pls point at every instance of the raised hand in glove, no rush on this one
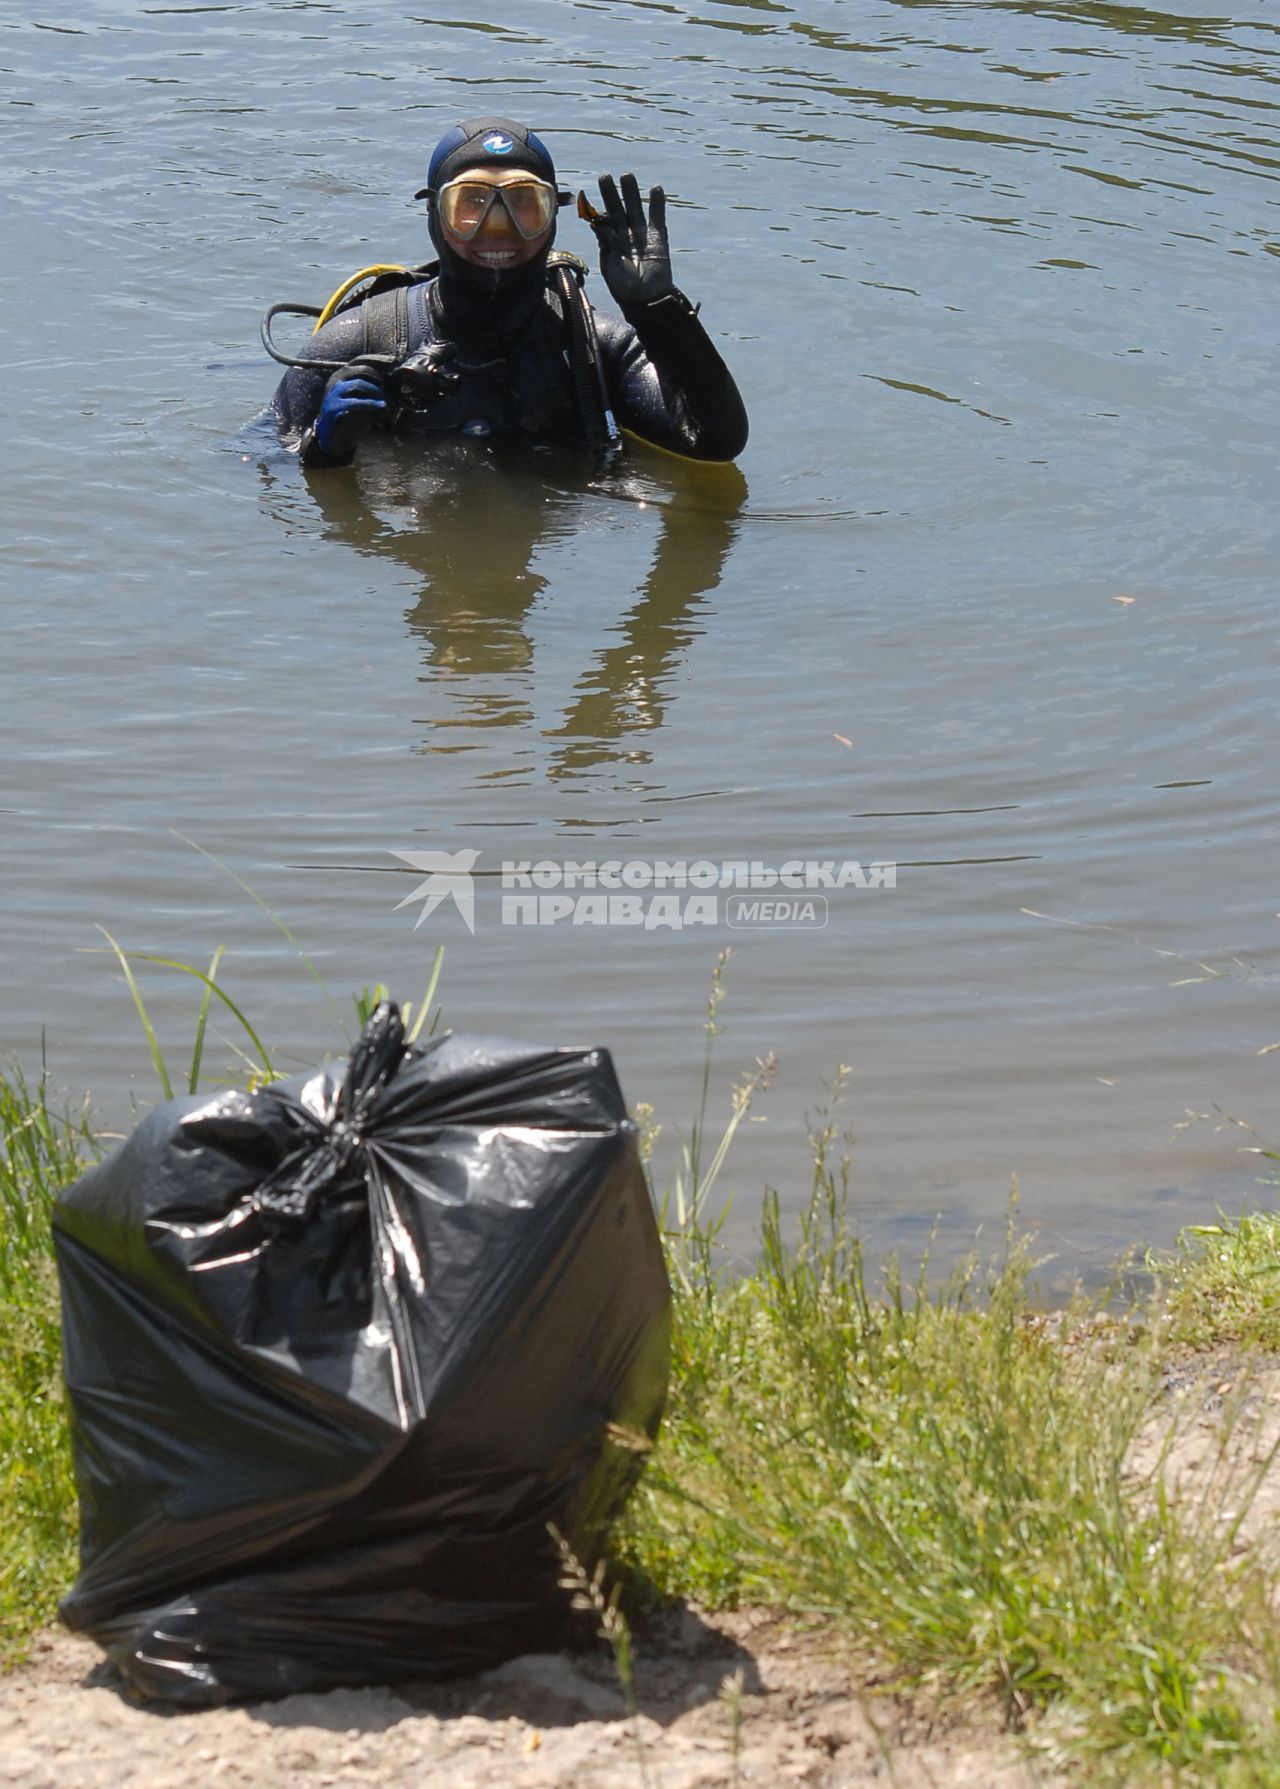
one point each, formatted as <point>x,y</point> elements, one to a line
<point>354,396</point>
<point>634,257</point>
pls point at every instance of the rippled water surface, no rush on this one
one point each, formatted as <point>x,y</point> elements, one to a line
<point>994,597</point>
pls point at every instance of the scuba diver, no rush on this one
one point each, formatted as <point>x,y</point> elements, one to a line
<point>497,337</point>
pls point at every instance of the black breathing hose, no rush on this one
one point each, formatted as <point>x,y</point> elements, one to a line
<point>295,310</point>
<point>598,422</point>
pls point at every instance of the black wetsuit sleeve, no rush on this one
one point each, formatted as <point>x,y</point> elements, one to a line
<point>668,382</point>
<point>299,394</point>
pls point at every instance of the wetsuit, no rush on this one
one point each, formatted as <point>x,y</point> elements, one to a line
<point>500,367</point>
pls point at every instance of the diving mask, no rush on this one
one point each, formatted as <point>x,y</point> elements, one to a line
<point>465,202</point>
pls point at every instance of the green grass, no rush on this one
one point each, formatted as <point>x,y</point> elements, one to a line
<point>41,1150</point>
<point>936,1475</point>
<point>943,1479</point>
<point>1222,1283</point>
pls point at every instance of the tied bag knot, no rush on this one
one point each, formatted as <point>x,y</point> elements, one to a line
<point>330,1159</point>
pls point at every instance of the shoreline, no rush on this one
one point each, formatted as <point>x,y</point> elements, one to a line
<point>1046,1530</point>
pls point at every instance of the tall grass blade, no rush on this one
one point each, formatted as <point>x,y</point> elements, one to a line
<point>197,1049</point>
<point>428,997</point>
<point>211,988</point>
<point>153,1041</point>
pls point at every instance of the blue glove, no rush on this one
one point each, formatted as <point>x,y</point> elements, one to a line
<point>354,396</point>
<point>635,259</point>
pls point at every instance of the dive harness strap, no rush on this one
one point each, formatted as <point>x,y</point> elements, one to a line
<point>385,316</point>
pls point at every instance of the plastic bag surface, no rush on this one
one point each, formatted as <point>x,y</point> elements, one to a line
<point>337,1353</point>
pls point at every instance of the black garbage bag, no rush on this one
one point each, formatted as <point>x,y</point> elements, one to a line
<point>339,1350</point>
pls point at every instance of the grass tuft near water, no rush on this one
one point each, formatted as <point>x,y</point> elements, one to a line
<point>1222,1283</point>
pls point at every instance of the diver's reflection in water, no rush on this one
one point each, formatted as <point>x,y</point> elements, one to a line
<point>467,527</point>
<point>470,524</point>
<point>625,691</point>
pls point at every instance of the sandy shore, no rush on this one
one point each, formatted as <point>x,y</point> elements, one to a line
<point>546,1721</point>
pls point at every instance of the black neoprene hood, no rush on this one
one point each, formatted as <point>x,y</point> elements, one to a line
<point>487,143</point>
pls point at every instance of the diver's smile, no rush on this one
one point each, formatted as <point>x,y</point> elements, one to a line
<point>495,245</point>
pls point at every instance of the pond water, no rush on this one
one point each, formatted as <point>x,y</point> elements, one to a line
<point>992,599</point>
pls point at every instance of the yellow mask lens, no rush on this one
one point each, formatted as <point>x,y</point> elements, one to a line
<point>464,205</point>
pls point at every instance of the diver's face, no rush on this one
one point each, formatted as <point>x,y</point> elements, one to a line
<point>497,244</point>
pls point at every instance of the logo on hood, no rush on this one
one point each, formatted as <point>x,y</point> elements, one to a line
<point>498,144</point>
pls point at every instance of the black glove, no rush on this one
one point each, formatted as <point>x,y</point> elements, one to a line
<point>354,395</point>
<point>635,260</point>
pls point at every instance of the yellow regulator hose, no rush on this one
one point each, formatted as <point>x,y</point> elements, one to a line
<point>365,273</point>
